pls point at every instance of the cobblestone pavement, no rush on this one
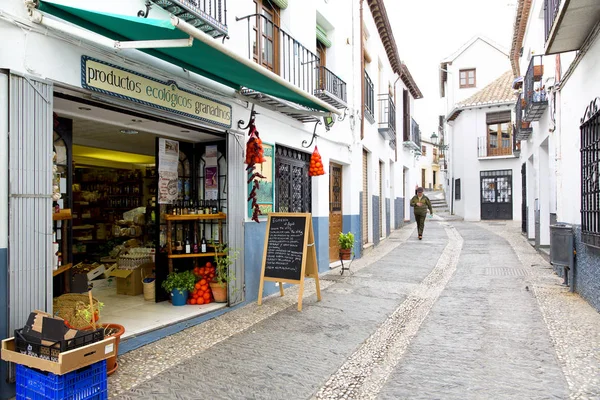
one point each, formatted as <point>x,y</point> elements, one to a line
<point>470,312</point>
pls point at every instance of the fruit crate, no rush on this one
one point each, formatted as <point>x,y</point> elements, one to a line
<point>83,384</point>
<point>25,345</point>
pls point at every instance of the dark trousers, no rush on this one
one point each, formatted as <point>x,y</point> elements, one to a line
<point>420,222</point>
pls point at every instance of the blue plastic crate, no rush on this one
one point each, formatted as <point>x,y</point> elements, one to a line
<point>83,384</point>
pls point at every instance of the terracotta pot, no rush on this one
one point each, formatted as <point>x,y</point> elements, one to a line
<point>219,292</point>
<point>345,254</point>
<point>111,363</point>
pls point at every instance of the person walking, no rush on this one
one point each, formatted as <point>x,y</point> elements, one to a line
<point>421,203</point>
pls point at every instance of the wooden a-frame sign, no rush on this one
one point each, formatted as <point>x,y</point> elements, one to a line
<point>290,253</point>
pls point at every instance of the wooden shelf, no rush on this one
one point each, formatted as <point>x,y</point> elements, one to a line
<point>193,217</point>
<point>195,255</point>
<point>62,215</point>
<point>62,269</point>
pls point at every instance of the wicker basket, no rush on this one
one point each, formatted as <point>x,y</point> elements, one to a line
<point>66,307</point>
<point>149,289</point>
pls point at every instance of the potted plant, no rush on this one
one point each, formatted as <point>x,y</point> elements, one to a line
<point>224,257</point>
<point>178,284</point>
<point>346,242</point>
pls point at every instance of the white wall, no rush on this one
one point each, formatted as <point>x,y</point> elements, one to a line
<point>470,125</point>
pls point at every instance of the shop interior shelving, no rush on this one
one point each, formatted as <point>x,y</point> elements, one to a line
<point>64,215</point>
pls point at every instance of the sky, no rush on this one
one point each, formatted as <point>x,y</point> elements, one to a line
<point>427,31</point>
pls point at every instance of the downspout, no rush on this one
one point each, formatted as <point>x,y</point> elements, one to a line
<point>362,74</point>
<point>395,82</point>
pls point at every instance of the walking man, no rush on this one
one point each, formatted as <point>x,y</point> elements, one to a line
<point>421,203</point>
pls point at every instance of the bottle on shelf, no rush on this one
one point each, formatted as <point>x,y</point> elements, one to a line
<point>185,210</point>
<point>188,245</point>
<point>201,207</point>
<point>195,247</point>
<point>207,207</point>
<point>203,244</point>
<point>214,207</point>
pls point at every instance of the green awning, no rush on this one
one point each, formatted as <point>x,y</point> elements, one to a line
<point>206,56</point>
<point>322,37</point>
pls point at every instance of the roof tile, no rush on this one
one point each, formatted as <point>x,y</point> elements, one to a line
<point>499,91</point>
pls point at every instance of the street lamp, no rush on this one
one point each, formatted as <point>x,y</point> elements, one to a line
<point>441,146</point>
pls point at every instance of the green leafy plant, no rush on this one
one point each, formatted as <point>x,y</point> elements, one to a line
<point>84,311</point>
<point>224,257</point>
<point>179,281</point>
<point>346,240</point>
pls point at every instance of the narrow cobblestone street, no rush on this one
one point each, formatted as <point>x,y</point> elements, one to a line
<point>469,312</point>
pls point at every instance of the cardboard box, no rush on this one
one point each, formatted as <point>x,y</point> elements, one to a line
<point>67,361</point>
<point>129,282</point>
<point>80,281</point>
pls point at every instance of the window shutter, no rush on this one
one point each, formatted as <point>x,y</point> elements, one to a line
<point>497,117</point>
<point>282,4</point>
<point>322,37</point>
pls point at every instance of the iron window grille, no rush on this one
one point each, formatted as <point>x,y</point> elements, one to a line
<point>369,98</point>
<point>550,11</point>
<point>590,174</point>
<point>293,192</point>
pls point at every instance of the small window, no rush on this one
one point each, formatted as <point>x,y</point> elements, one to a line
<point>457,189</point>
<point>467,78</point>
<point>424,150</point>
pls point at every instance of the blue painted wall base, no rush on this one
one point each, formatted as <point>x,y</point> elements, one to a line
<point>587,273</point>
<point>351,223</point>
<point>388,214</point>
<point>398,212</point>
<point>375,219</point>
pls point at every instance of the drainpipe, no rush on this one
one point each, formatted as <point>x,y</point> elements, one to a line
<point>362,74</point>
<point>395,82</point>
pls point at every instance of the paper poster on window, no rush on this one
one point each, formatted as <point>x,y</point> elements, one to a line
<point>211,183</point>
<point>211,156</point>
<point>168,159</point>
<point>265,195</point>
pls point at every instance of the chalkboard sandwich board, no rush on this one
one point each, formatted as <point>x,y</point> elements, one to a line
<point>289,254</point>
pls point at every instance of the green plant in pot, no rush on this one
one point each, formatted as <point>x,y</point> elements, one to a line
<point>346,242</point>
<point>179,284</point>
<point>224,258</point>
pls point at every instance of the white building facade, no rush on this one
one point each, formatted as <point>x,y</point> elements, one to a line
<point>556,50</point>
<point>315,94</point>
<point>476,101</point>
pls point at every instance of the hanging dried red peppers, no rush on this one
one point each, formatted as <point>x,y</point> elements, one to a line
<point>254,155</point>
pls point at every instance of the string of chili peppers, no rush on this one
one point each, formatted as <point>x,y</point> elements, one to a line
<point>254,155</point>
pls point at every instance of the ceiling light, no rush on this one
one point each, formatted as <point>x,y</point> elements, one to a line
<point>185,131</point>
<point>129,131</point>
<point>85,109</point>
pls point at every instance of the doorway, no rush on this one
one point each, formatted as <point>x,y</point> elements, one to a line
<point>423,172</point>
<point>335,209</point>
<point>496,195</point>
<point>434,179</point>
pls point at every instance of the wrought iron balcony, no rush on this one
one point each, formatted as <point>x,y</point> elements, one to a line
<point>277,51</point>
<point>387,117</point>
<point>331,89</point>
<point>369,99</point>
<point>522,129</point>
<point>569,23</point>
<point>516,144</point>
<point>550,12</point>
<point>488,147</point>
<point>536,100</point>
<point>413,141</point>
<point>210,16</point>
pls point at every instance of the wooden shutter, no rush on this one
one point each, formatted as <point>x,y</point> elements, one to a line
<point>497,117</point>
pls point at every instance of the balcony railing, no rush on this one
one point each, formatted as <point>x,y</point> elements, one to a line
<point>414,139</point>
<point>369,98</point>
<point>494,148</point>
<point>210,16</point>
<point>550,11</point>
<point>387,117</point>
<point>522,128</point>
<point>276,50</point>
<point>331,88</point>
<point>536,99</point>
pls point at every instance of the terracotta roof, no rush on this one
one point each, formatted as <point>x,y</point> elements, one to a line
<point>498,92</point>
<point>521,17</point>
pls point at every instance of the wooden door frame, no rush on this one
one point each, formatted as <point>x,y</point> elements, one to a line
<point>258,30</point>
<point>333,165</point>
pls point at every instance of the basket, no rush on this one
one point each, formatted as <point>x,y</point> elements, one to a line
<point>66,307</point>
<point>83,384</point>
<point>31,347</point>
<point>149,288</point>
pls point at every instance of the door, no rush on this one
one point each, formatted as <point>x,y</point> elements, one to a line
<point>322,53</point>
<point>266,31</point>
<point>335,209</point>
<point>30,143</point>
<point>496,195</point>
<point>381,202</point>
<point>293,185</point>
<point>434,179</point>
<point>524,198</point>
<point>365,199</point>
<point>423,178</point>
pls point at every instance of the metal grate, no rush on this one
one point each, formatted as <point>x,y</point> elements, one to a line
<point>590,174</point>
<point>293,185</point>
<point>369,98</point>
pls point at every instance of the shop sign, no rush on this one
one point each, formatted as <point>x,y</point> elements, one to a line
<point>102,77</point>
<point>265,195</point>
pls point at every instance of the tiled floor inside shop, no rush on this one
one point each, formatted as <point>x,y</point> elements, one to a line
<point>138,315</point>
